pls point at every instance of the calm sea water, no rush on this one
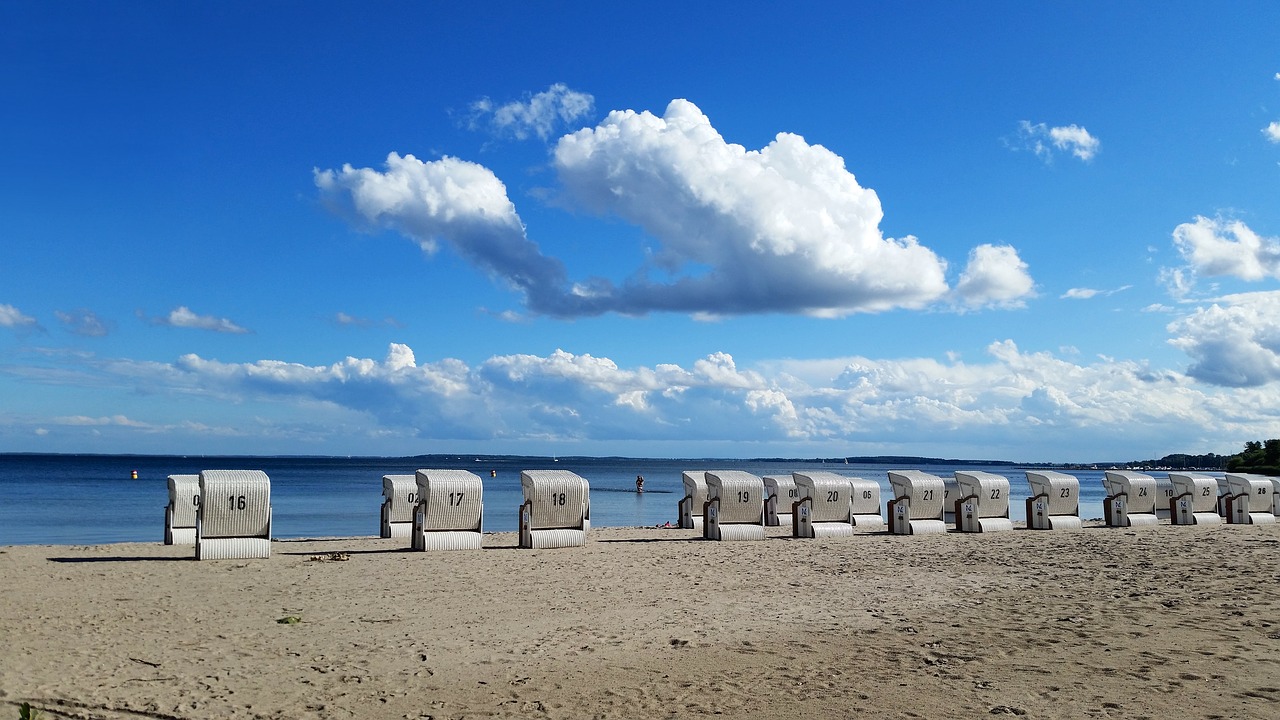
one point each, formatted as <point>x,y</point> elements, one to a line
<point>90,499</point>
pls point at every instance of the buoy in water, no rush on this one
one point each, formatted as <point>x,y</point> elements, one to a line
<point>135,474</point>
<point>493,473</point>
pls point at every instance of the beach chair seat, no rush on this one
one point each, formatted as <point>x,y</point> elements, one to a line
<point>1250,502</point>
<point>695,498</point>
<point>399,500</point>
<point>950,492</point>
<point>864,503</point>
<point>556,509</point>
<point>1164,498</point>
<point>1130,498</point>
<point>983,505</point>
<point>780,493</point>
<point>449,512</point>
<point>234,520</point>
<point>823,508</point>
<point>735,506</point>
<point>1224,494</point>
<point>180,513</point>
<point>1195,499</point>
<point>917,504</point>
<point>1055,501</point>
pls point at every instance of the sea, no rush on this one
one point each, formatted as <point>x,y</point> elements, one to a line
<point>94,499</point>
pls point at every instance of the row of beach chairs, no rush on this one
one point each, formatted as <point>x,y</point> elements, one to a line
<point>435,509</point>
<point>227,513</point>
<point>736,505</point>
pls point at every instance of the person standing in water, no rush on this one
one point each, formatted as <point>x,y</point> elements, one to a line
<point>639,483</point>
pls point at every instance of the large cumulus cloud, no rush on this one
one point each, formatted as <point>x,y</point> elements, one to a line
<point>783,229</point>
<point>1227,248</point>
<point>1234,341</point>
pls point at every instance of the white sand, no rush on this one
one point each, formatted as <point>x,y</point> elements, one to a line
<point>1162,622</point>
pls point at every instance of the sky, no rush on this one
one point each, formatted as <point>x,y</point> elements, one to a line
<point>997,230</point>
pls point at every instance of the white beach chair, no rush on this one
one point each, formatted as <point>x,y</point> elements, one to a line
<point>823,509</point>
<point>917,504</point>
<point>399,499</point>
<point>1250,501</point>
<point>1275,496</point>
<point>983,505</point>
<point>449,514</point>
<point>1224,494</point>
<point>1195,499</point>
<point>1130,499</point>
<point>780,494</point>
<point>950,491</point>
<point>1055,501</point>
<point>694,500</point>
<point>556,509</point>
<point>1164,498</point>
<point>864,503</point>
<point>735,506</point>
<point>180,513</point>
<point>235,515</point>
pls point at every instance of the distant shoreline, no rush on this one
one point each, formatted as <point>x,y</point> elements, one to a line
<point>905,460</point>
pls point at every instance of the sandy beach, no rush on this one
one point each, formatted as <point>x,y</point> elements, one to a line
<point>1159,622</point>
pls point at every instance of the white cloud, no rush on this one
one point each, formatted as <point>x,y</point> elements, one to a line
<point>1080,294</point>
<point>342,319</point>
<point>1217,247</point>
<point>84,322</point>
<point>12,317</point>
<point>1272,132</point>
<point>994,277</point>
<point>1044,140</point>
<point>540,114</point>
<point>782,229</point>
<point>785,228</point>
<point>182,317</point>
<point>459,202</point>
<point>1234,342</point>
<point>84,420</point>
<point>1008,401</point>
<point>1090,293</point>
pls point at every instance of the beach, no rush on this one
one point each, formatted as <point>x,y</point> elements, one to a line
<point>1153,622</point>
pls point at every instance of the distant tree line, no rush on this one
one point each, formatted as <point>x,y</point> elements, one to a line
<point>1184,461</point>
<point>1258,457</point>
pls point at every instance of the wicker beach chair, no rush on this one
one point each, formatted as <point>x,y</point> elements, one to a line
<point>180,514</point>
<point>1224,494</point>
<point>449,514</point>
<point>1055,501</point>
<point>950,492</point>
<point>917,504</point>
<point>1251,499</point>
<point>399,499</point>
<point>694,500</point>
<point>735,506</point>
<point>1195,499</point>
<point>823,509</point>
<point>864,503</point>
<point>1131,498</point>
<point>556,509</point>
<point>983,505</point>
<point>235,515</point>
<point>780,494</point>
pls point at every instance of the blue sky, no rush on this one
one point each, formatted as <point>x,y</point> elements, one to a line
<point>1031,231</point>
